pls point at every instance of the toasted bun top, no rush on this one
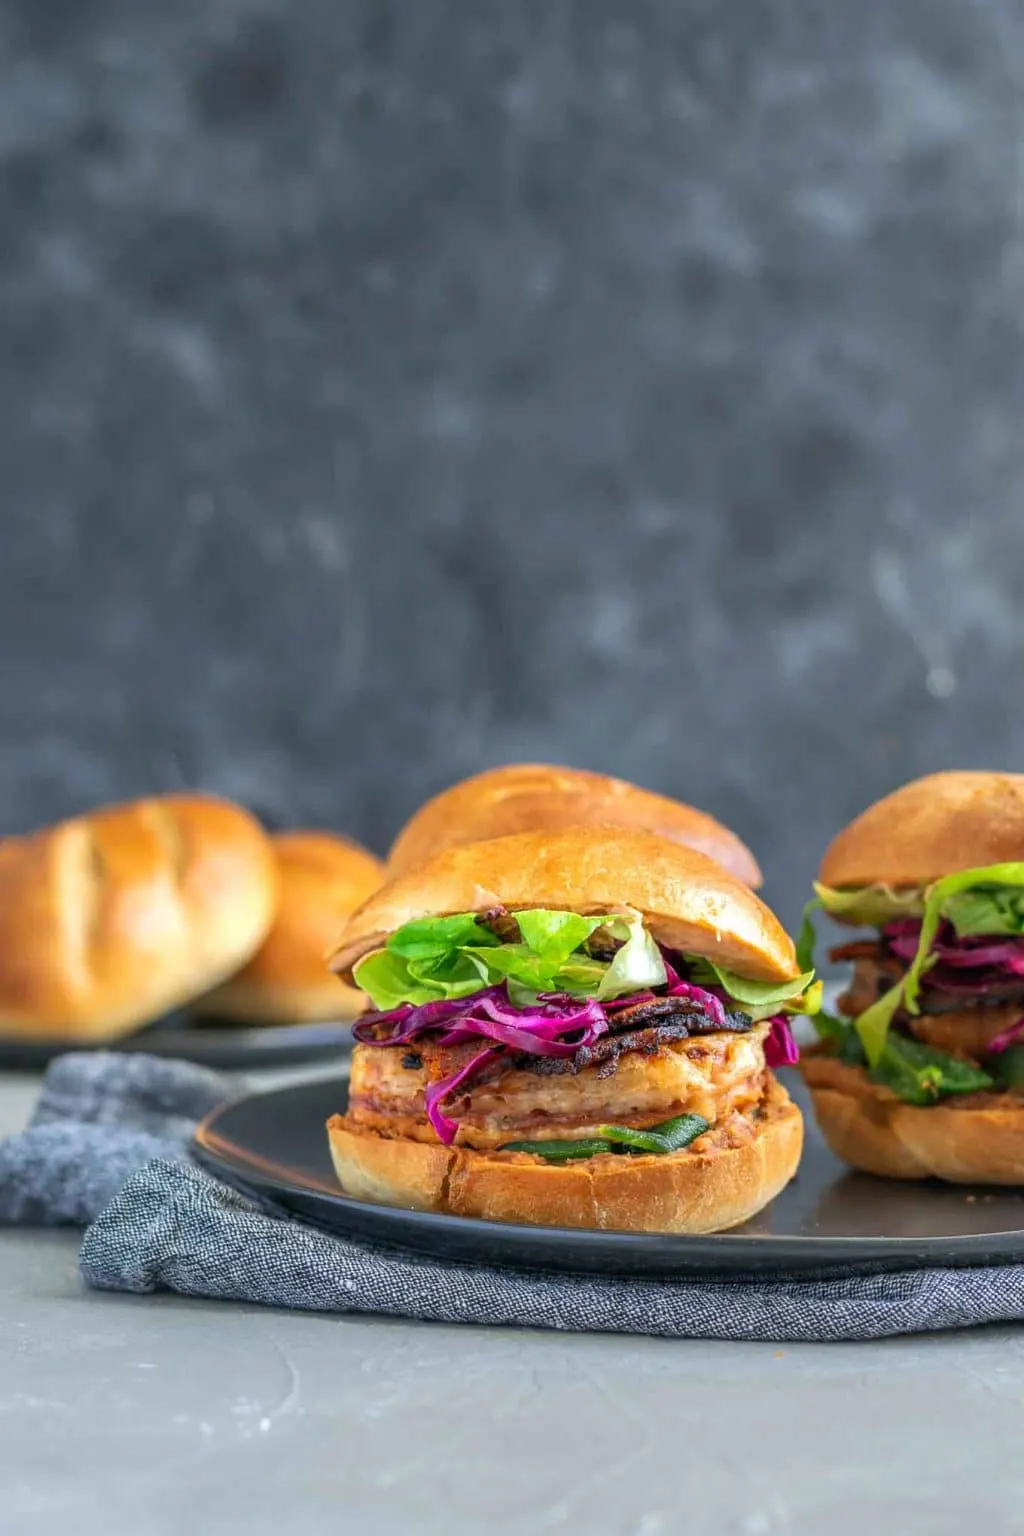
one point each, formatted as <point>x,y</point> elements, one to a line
<point>930,828</point>
<point>535,797</point>
<point>690,902</point>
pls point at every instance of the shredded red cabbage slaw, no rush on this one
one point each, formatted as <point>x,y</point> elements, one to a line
<point>780,1047</point>
<point>974,953</point>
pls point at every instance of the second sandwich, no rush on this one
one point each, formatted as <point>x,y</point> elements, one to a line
<point>924,1073</point>
<point>572,1029</point>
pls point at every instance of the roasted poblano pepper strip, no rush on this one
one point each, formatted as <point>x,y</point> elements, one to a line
<point>559,1151</point>
<point>670,1136</point>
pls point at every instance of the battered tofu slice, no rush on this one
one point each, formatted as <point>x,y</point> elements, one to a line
<point>712,1075</point>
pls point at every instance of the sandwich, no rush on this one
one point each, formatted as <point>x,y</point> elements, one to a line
<point>539,797</point>
<point>922,1075</point>
<point>322,878</point>
<point>572,1029</point>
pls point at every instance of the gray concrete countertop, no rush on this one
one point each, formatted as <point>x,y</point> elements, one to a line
<point>157,1416</point>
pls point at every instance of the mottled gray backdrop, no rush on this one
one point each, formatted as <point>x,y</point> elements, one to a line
<point>393,389</point>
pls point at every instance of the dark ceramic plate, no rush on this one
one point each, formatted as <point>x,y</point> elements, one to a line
<point>232,1047</point>
<point>828,1219</point>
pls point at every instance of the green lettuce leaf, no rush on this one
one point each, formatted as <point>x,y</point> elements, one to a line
<point>579,975</point>
<point>638,965</point>
<point>452,957</point>
<point>867,907</point>
<point>555,935</point>
<point>844,1038</point>
<point>841,1035</point>
<point>807,938</point>
<point>385,978</point>
<point>761,999</point>
<point>979,912</point>
<point>391,979</point>
<point>873,1024</point>
<point>549,958</point>
<point>870,906</point>
<point>828,1026</point>
<point>433,938</point>
<point>920,1075</point>
<point>449,975</point>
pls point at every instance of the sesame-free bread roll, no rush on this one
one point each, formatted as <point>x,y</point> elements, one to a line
<point>323,879</point>
<point>689,901</point>
<point>929,828</point>
<point>542,797</point>
<point>110,919</point>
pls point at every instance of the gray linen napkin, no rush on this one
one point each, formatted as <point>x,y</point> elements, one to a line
<point>107,1143</point>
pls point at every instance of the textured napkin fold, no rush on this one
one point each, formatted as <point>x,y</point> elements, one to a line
<point>108,1144</point>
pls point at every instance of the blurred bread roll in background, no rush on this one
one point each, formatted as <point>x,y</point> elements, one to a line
<point>542,797</point>
<point>322,879</point>
<point>109,920</point>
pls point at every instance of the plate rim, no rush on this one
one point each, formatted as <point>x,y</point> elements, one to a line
<point>822,1245</point>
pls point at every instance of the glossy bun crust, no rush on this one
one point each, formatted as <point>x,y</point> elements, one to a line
<point>690,903</point>
<point>109,920</point>
<point>539,797</point>
<point>930,828</point>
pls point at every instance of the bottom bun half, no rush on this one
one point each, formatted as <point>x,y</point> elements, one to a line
<point>691,1191</point>
<point>980,1141</point>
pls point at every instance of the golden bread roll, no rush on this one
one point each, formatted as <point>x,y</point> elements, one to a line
<point>109,920</point>
<point>929,828</point>
<point>323,878</point>
<point>540,797</point>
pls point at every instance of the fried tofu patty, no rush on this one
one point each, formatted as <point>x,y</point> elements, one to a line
<point>712,1075</point>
